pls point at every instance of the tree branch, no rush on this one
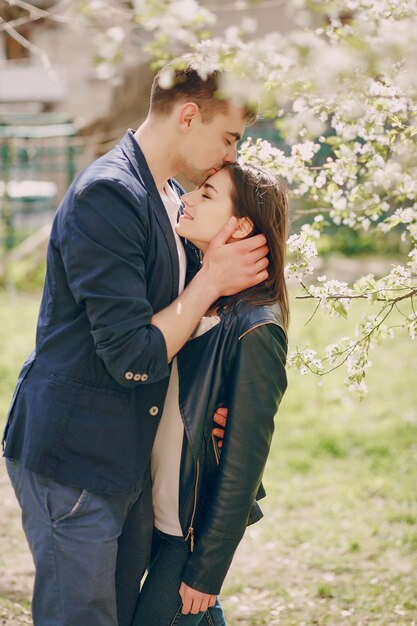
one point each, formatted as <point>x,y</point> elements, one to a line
<point>27,44</point>
<point>35,13</point>
<point>351,348</point>
<point>364,296</point>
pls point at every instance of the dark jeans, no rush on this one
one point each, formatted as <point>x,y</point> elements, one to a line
<point>159,602</point>
<point>90,551</point>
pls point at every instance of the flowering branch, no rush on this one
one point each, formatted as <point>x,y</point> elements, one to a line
<point>366,295</point>
<point>347,133</point>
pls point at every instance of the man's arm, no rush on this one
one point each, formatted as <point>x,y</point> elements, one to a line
<point>102,235</point>
<point>102,240</point>
<point>227,269</point>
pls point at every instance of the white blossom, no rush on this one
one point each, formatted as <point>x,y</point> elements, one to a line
<point>248,25</point>
<point>305,150</point>
<point>345,90</point>
<point>412,327</point>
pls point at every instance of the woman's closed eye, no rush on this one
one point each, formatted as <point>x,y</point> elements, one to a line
<point>203,190</point>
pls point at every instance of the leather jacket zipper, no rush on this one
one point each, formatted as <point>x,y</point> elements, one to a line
<point>190,534</point>
<point>216,449</point>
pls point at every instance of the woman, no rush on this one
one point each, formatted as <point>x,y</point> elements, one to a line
<point>203,500</point>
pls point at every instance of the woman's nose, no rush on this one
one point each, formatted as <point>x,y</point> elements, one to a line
<point>188,198</point>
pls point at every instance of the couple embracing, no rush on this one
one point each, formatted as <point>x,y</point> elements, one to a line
<point>163,319</point>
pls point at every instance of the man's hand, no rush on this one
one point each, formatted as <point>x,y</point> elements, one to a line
<point>220,418</point>
<point>227,269</point>
<point>194,601</point>
<point>233,267</point>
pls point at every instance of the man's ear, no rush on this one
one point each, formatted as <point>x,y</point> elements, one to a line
<point>187,114</point>
<point>244,228</point>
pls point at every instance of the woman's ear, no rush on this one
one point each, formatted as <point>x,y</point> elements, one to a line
<point>244,228</point>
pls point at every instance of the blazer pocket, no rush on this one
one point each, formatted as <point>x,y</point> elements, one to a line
<point>87,387</point>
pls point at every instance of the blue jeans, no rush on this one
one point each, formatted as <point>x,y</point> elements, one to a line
<point>90,551</point>
<point>159,602</point>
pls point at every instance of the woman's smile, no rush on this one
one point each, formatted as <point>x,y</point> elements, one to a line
<point>186,215</point>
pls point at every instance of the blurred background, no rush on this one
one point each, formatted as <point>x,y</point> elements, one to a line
<point>338,542</point>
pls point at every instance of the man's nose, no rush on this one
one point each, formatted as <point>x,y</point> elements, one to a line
<point>231,155</point>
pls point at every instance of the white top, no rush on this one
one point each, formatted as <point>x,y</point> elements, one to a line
<point>167,449</point>
<point>166,452</point>
<point>205,324</point>
<point>166,461</point>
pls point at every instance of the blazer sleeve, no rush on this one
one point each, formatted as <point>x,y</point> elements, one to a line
<point>103,243</point>
<point>258,384</point>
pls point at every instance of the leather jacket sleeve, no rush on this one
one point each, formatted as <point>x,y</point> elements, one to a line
<point>258,383</point>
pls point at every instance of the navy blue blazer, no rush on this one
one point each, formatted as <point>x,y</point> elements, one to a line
<point>88,400</point>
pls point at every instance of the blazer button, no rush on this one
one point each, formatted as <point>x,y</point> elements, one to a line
<point>144,377</point>
<point>153,410</point>
<point>137,377</point>
<point>129,375</point>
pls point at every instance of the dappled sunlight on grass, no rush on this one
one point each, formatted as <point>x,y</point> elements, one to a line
<point>338,542</point>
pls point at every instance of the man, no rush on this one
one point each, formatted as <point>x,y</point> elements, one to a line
<point>88,401</point>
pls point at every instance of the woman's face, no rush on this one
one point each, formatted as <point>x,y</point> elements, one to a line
<point>206,210</point>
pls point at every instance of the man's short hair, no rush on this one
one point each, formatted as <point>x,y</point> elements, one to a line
<point>188,86</point>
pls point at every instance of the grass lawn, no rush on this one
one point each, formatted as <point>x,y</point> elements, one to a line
<point>338,542</point>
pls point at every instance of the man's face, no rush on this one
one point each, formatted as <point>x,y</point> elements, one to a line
<point>211,144</point>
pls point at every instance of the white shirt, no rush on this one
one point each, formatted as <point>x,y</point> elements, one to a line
<point>167,450</point>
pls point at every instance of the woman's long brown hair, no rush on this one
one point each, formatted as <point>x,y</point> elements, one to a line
<point>262,197</point>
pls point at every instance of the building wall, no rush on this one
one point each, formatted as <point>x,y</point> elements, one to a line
<point>109,106</point>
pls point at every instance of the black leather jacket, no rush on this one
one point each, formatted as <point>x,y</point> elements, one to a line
<point>239,363</point>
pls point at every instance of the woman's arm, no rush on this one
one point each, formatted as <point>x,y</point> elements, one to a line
<point>258,384</point>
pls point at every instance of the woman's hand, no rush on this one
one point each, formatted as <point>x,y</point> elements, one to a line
<point>194,601</point>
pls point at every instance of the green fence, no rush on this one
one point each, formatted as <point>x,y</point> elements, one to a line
<point>38,160</point>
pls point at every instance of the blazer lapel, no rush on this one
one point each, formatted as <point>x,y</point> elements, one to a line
<point>136,157</point>
<point>161,215</point>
